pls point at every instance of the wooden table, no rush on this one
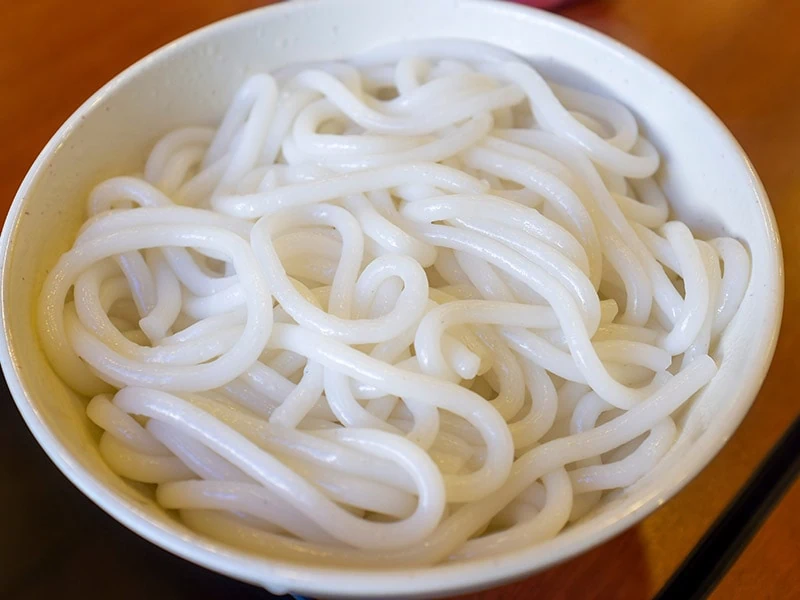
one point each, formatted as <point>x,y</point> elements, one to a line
<point>764,569</point>
<point>740,56</point>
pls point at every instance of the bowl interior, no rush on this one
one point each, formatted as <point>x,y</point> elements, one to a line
<point>709,181</point>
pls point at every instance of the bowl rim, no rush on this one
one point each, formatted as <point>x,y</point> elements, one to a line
<point>280,576</point>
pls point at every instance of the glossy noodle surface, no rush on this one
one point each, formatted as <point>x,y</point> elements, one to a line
<point>416,307</point>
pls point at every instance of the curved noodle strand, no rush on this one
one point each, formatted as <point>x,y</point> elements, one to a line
<point>418,307</point>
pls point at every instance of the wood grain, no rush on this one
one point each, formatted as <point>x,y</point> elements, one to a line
<point>768,567</point>
<point>740,56</point>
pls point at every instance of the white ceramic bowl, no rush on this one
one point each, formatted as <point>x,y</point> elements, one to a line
<point>707,176</point>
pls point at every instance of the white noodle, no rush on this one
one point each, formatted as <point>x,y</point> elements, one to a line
<point>421,307</point>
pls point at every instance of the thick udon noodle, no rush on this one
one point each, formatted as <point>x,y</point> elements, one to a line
<point>416,307</point>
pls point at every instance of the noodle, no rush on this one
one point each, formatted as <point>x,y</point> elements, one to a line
<point>420,307</point>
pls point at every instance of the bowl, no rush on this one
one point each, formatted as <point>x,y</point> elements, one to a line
<point>709,180</point>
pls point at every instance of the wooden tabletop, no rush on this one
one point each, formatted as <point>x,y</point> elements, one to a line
<point>768,566</point>
<point>740,56</point>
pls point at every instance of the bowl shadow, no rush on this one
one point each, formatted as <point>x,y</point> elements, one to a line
<point>615,569</point>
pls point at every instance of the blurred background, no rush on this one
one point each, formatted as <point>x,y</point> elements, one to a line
<point>740,56</point>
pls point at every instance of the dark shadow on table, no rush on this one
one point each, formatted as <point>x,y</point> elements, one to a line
<point>615,570</point>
